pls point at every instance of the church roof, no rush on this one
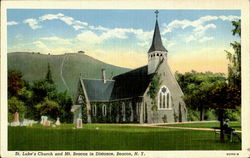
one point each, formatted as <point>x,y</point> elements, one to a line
<point>127,85</point>
<point>97,90</point>
<point>157,43</point>
<point>131,84</point>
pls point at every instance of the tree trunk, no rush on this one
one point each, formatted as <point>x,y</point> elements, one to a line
<point>202,113</point>
<point>221,115</point>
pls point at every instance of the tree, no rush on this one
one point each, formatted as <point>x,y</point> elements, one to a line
<point>228,95</point>
<point>65,104</point>
<point>234,67</point>
<point>49,108</point>
<point>15,82</point>
<point>42,89</point>
<point>48,77</point>
<point>196,87</point>
<point>224,96</point>
<point>15,105</point>
<point>152,93</point>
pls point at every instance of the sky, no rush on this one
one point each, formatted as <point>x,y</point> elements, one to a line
<point>195,39</point>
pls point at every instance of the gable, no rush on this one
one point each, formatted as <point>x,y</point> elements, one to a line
<point>168,78</point>
<point>131,84</point>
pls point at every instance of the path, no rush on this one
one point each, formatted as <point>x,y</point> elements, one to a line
<point>64,82</point>
<point>159,125</point>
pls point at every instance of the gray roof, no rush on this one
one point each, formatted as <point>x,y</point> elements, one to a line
<point>97,90</point>
<point>157,43</point>
<point>131,84</point>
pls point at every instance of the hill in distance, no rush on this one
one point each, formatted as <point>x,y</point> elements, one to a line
<point>66,68</point>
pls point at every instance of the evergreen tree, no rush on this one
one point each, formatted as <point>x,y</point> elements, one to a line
<point>49,75</point>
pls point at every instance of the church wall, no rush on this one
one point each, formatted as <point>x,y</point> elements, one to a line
<point>114,112</point>
<point>169,80</point>
<point>177,113</point>
<point>158,116</point>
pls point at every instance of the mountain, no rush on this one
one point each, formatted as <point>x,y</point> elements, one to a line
<point>66,68</point>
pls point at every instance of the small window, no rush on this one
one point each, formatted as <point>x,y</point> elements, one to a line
<point>104,110</point>
<point>157,54</point>
<point>94,110</point>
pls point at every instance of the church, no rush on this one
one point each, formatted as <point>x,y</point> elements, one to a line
<point>148,94</point>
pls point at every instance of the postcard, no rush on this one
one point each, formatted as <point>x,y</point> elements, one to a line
<point>125,79</point>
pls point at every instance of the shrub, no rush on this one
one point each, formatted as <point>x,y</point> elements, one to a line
<point>210,115</point>
<point>233,114</point>
<point>193,115</point>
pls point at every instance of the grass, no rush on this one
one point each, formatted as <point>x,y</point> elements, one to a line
<point>234,125</point>
<point>113,137</point>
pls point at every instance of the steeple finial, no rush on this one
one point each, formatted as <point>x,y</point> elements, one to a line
<point>156,13</point>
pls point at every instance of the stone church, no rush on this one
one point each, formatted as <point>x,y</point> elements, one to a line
<point>148,94</point>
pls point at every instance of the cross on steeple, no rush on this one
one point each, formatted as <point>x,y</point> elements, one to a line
<point>156,13</point>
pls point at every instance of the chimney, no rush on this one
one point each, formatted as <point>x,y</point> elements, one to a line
<point>103,76</point>
<point>112,75</point>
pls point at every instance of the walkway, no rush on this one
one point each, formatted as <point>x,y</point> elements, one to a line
<point>160,125</point>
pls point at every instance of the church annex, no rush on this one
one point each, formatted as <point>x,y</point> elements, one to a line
<point>148,94</point>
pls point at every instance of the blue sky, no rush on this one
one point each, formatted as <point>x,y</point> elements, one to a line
<point>195,39</point>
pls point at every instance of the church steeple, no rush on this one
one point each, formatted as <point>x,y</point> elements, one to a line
<point>157,43</point>
<point>157,52</point>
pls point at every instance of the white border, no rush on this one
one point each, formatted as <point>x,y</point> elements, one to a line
<point>243,5</point>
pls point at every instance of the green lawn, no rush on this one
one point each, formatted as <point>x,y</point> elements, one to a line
<point>113,137</point>
<point>234,125</point>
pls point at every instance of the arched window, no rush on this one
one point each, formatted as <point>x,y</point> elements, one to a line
<point>94,110</point>
<point>164,99</point>
<point>123,112</point>
<point>132,112</point>
<point>104,110</point>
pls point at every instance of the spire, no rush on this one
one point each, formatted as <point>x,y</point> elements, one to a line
<point>157,43</point>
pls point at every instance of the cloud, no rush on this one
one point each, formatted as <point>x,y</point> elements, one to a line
<point>33,23</point>
<point>57,40</point>
<point>167,43</point>
<point>199,26</point>
<point>89,37</point>
<point>195,23</point>
<point>9,23</point>
<point>51,16</point>
<point>68,20</point>
<point>190,38</point>
<point>204,39</point>
<point>200,30</point>
<point>88,33</point>
<point>120,58</point>
<point>41,46</point>
<point>78,27</point>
